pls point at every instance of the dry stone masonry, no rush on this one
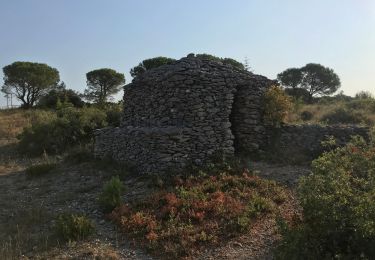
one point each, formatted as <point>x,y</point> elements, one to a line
<point>184,113</point>
<point>192,109</point>
<point>302,143</point>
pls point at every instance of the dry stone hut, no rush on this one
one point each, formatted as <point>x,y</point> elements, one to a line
<point>194,108</point>
<point>186,112</point>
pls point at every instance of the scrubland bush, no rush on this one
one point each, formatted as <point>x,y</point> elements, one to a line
<point>344,116</point>
<point>306,115</point>
<point>73,227</point>
<point>114,112</point>
<point>110,198</point>
<point>364,95</point>
<point>198,211</point>
<point>55,133</point>
<point>40,169</point>
<point>338,202</point>
<point>60,95</point>
<point>364,104</point>
<point>276,105</point>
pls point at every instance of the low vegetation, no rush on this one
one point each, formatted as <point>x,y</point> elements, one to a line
<point>61,130</point>
<point>72,227</point>
<point>276,105</point>
<point>338,207</point>
<point>339,109</point>
<point>111,195</point>
<point>40,169</point>
<point>199,211</point>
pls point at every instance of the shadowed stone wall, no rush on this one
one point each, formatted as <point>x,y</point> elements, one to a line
<point>302,143</point>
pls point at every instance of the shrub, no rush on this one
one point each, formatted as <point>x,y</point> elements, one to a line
<point>68,127</point>
<point>73,227</point>
<point>344,116</point>
<point>198,211</point>
<point>364,104</point>
<point>306,115</point>
<point>364,95</point>
<point>338,207</point>
<point>58,95</point>
<point>40,169</point>
<point>276,105</point>
<point>111,195</point>
<point>298,93</point>
<point>114,112</point>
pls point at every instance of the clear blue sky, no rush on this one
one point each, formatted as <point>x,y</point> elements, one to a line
<point>76,36</point>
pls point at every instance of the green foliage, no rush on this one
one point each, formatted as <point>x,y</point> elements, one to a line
<point>338,202</point>
<point>60,94</point>
<point>298,94</point>
<point>315,78</point>
<point>319,80</point>
<point>149,64</point>
<point>364,95</point>
<point>290,78</point>
<point>306,115</point>
<point>55,134</point>
<point>40,169</point>
<point>114,112</point>
<point>72,227</point>
<point>110,198</point>
<point>102,84</point>
<point>276,105</point>
<point>364,104</point>
<point>29,80</point>
<point>228,61</point>
<point>342,115</point>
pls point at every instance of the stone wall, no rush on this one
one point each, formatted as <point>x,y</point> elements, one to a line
<point>302,143</point>
<point>184,113</point>
<point>194,108</point>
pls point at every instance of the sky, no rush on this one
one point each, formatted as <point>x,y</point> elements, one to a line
<point>77,36</point>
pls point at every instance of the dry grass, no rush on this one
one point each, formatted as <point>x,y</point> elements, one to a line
<point>319,111</point>
<point>12,121</point>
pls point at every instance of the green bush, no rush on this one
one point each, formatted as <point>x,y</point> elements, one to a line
<point>365,104</point>
<point>338,202</point>
<point>113,112</point>
<point>40,169</point>
<point>73,227</point>
<point>55,134</point>
<point>58,95</point>
<point>276,105</point>
<point>110,198</point>
<point>306,115</point>
<point>344,116</point>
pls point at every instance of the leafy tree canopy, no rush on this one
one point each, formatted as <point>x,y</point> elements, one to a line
<point>290,78</point>
<point>60,94</point>
<point>102,84</point>
<point>149,64</point>
<point>229,61</point>
<point>315,78</point>
<point>319,80</point>
<point>29,81</point>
